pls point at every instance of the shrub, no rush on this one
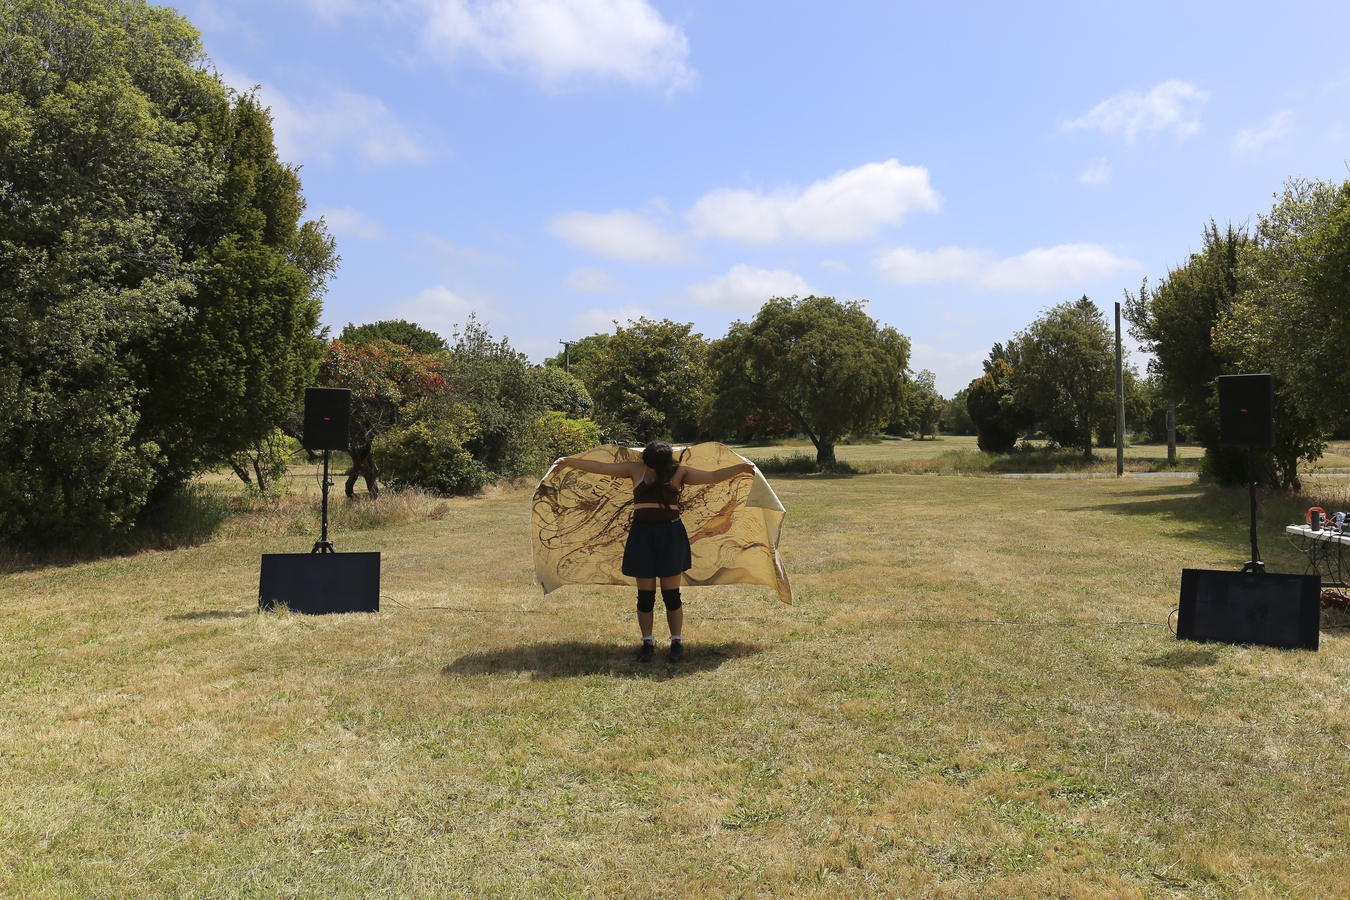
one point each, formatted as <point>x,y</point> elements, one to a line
<point>426,449</point>
<point>554,434</point>
<point>800,463</point>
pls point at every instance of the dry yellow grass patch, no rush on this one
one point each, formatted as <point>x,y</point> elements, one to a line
<point>158,737</point>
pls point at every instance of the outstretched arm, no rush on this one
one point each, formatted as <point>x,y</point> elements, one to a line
<point>698,476</point>
<point>612,469</point>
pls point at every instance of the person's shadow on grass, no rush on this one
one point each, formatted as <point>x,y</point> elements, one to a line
<point>573,659</point>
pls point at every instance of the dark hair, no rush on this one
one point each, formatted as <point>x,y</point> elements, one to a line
<point>659,457</point>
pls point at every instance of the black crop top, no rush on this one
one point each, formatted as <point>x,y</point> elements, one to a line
<point>651,492</point>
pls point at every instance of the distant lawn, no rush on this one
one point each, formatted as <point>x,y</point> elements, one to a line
<point>959,455</point>
<point>159,738</point>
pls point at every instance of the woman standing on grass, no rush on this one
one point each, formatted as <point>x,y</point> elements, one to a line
<point>658,545</point>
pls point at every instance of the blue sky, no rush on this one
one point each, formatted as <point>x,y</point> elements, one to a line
<point>554,165</point>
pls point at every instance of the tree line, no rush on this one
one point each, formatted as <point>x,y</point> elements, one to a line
<point>449,416</point>
<point>1273,297</point>
<point>814,366</point>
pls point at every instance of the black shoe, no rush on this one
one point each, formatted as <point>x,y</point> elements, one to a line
<point>676,651</point>
<point>647,652</point>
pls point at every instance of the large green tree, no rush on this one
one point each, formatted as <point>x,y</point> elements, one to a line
<point>992,406</point>
<point>157,295</point>
<point>400,331</point>
<point>233,366</point>
<point>827,364</point>
<point>924,407</point>
<point>507,395</point>
<point>1175,322</point>
<point>1178,322</point>
<point>1291,315</point>
<point>1064,370</point>
<point>956,414</point>
<point>580,352</point>
<point>650,380</point>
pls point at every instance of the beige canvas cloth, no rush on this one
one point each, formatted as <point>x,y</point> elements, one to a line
<point>580,523</point>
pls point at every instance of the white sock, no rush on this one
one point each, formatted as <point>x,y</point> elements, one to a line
<point>648,639</point>
<point>675,639</point>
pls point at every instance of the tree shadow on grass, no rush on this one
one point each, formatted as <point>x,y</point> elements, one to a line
<point>1183,658</point>
<point>1201,510</point>
<point>211,614</point>
<point>1218,517</point>
<point>574,659</point>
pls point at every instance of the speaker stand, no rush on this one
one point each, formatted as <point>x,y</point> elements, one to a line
<point>324,545</point>
<point>1254,564</point>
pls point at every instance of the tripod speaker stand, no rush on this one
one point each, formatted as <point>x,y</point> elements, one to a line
<point>323,580</point>
<point>1247,419</point>
<point>327,428</point>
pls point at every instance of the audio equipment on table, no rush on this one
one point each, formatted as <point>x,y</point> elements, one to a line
<point>1315,518</point>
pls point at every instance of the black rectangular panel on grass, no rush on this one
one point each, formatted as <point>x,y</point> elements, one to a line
<point>1250,608</point>
<point>319,583</point>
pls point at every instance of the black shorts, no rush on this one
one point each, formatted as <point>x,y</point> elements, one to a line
<point>656,550</point>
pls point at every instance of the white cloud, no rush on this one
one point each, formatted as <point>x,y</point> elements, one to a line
<point>1172,106</point>
<point>437,308</point>
<point>1041,269</point>
<point>1252,140</point>
<point>744,289</point>
<point>621,235</point>
<point>847,206</point>
<point>905,265</point>
<point>1097,172</point>
<point>592,281</point>
<point>596,321</point>
<point>317,128</point>
<point>562,41</point>
<point>345,221</point>
<point>1055,267</point>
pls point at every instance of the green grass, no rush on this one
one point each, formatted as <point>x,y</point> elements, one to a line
<point>159,738</point>
<point>959,455</point>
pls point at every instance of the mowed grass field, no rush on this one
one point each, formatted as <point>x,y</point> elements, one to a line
<point>160,738</point>
<point>960,455</point>
<point>896,449</point>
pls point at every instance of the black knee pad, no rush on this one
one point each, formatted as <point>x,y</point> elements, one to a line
<point>671,598</point>
<point>646,601</point>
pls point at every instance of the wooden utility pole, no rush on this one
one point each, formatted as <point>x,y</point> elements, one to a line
<point>567,353</point>
<point>1120,401</point>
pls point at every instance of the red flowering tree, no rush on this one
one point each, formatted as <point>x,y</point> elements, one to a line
<point>384,378</point>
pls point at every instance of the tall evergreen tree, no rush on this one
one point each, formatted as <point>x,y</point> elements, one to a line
<point>157,296</point>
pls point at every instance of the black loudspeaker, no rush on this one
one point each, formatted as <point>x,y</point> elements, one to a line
<point>317,583</point>
<point>1247,410</point>
<point>1250,608</point>
<point>328,414</point>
